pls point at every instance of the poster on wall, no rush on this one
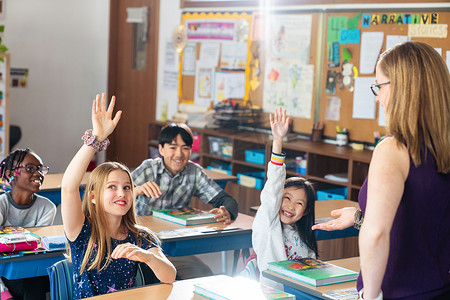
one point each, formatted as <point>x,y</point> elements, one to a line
<point>288,78</point>
<point>19,77</point>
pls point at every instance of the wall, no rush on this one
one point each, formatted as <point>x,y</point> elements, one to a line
<point>64,44</point>
<point>170,18</point>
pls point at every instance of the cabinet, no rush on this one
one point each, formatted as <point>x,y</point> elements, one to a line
<point>321,159</point>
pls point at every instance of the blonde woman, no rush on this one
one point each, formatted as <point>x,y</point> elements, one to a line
<point>404,240</point>
<point>105,242</point>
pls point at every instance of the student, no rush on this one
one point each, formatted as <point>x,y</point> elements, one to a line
<point>404,241</point>
<point>24,171</point>
<point>172,181</point>
<point>105,242</point>
<point>282,226</point>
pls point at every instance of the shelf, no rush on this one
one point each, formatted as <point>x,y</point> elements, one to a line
<point>322,159</point>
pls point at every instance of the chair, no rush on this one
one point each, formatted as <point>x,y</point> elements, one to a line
<point>251,270</point>
<point>61,280</point>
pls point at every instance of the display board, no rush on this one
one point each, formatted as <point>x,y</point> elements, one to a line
<point>317,64</point>
<point>353,44</point>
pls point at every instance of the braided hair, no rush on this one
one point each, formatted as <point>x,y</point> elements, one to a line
<point>12,162</point>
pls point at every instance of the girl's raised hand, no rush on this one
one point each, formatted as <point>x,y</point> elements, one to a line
<point>279,124</point>
<point>102,121</point>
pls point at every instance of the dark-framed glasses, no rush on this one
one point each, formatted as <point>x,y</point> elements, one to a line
<point>30,168</point>
<point>376,87</point>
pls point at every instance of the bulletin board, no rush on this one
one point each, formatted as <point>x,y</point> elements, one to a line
<point>388,24</point>
<point>191,72</point>
<point>296,70</point>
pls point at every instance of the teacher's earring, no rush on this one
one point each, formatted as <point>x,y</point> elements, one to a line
<point>10,179</point>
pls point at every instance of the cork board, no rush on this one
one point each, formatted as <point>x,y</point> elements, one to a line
<point>389,23</point>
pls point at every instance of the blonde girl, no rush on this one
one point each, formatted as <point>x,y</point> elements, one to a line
<point>105,242</point>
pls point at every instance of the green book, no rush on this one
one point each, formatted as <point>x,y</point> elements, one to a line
<point>185,216</point>
<point>238,288</point>
<point>312,271</point>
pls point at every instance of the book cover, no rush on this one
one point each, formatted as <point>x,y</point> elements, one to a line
<point>312,271</point>
<point>185,216</point>
<point>5,255</point>
<point>237,288</point>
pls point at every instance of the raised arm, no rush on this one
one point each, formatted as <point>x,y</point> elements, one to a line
<point>103,126</point>
<point>280,127</point>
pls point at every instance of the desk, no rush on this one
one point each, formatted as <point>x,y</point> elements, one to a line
<point>179,290</point>
<point>293,286</point>
<point>37,264</point>
<point>32,265</point>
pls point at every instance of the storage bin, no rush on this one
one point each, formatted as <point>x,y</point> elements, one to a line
<point>256,156</point>
<point>251,179</point>
<point>332,194</point>
<point>224,171</point>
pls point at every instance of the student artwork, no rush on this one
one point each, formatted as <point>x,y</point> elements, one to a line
<point>347,76</point>
<point>203,84</point>
<point>330,86</point>
<point>179,38</point>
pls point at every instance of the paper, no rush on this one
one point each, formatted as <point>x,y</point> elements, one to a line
<point>428,30</point>
<point>229,85</point>
<point>204,76</point>
<point>234,55</point>
<point>209,53</point>
<point>211,29</point>
<point>364,105</point>
<point>189,58</point>
<point>371,43</point>
<point>439,50</point>
<point>392,40</point>
<point>348,36</point>
<point>333,109</point>
<point>447,55</point>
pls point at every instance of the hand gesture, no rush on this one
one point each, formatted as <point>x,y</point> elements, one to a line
<point>279,124</point>
<point>102,121</point>
<point>150,189</point>
<point>131,252</point>
<point>221,215</point>
<point>346,217</point>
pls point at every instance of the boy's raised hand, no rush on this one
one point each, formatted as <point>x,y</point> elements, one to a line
<point>102,121</point>
<point>279,124</point>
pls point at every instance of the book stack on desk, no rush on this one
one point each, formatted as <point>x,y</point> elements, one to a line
<point>238,288</point>
<point>312,271</point>
<point>16,238</point>
<point>185,216</point>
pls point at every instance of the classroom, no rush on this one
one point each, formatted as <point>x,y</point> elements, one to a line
<point>221,67</point>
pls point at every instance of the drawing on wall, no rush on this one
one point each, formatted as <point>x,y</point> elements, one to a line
<point>288,80</point>
<point>203,84</point>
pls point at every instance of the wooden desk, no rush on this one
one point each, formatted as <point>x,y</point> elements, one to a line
<point>217,176</point>
<point>179,290</point>
<point>292,285</point>
<point>183,290</point>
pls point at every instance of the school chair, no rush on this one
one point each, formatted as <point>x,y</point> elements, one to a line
<point>61,280</point>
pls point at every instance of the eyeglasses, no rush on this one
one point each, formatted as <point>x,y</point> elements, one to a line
<point>376,87</point>
<point>32,168</point>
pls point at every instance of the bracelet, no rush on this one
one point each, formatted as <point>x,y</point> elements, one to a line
<point>359,218</point>
<point>379,297</point>
<point>91,140</point>
<point>278,159</point>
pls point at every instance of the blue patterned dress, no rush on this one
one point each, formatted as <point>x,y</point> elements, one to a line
<point>120,273</point>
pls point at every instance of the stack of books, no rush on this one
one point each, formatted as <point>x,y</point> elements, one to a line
<point>312,271</point>
<point>16,238</point>
<point>185,216</point>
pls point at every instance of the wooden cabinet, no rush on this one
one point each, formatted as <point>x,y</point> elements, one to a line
<point>321,158</point>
